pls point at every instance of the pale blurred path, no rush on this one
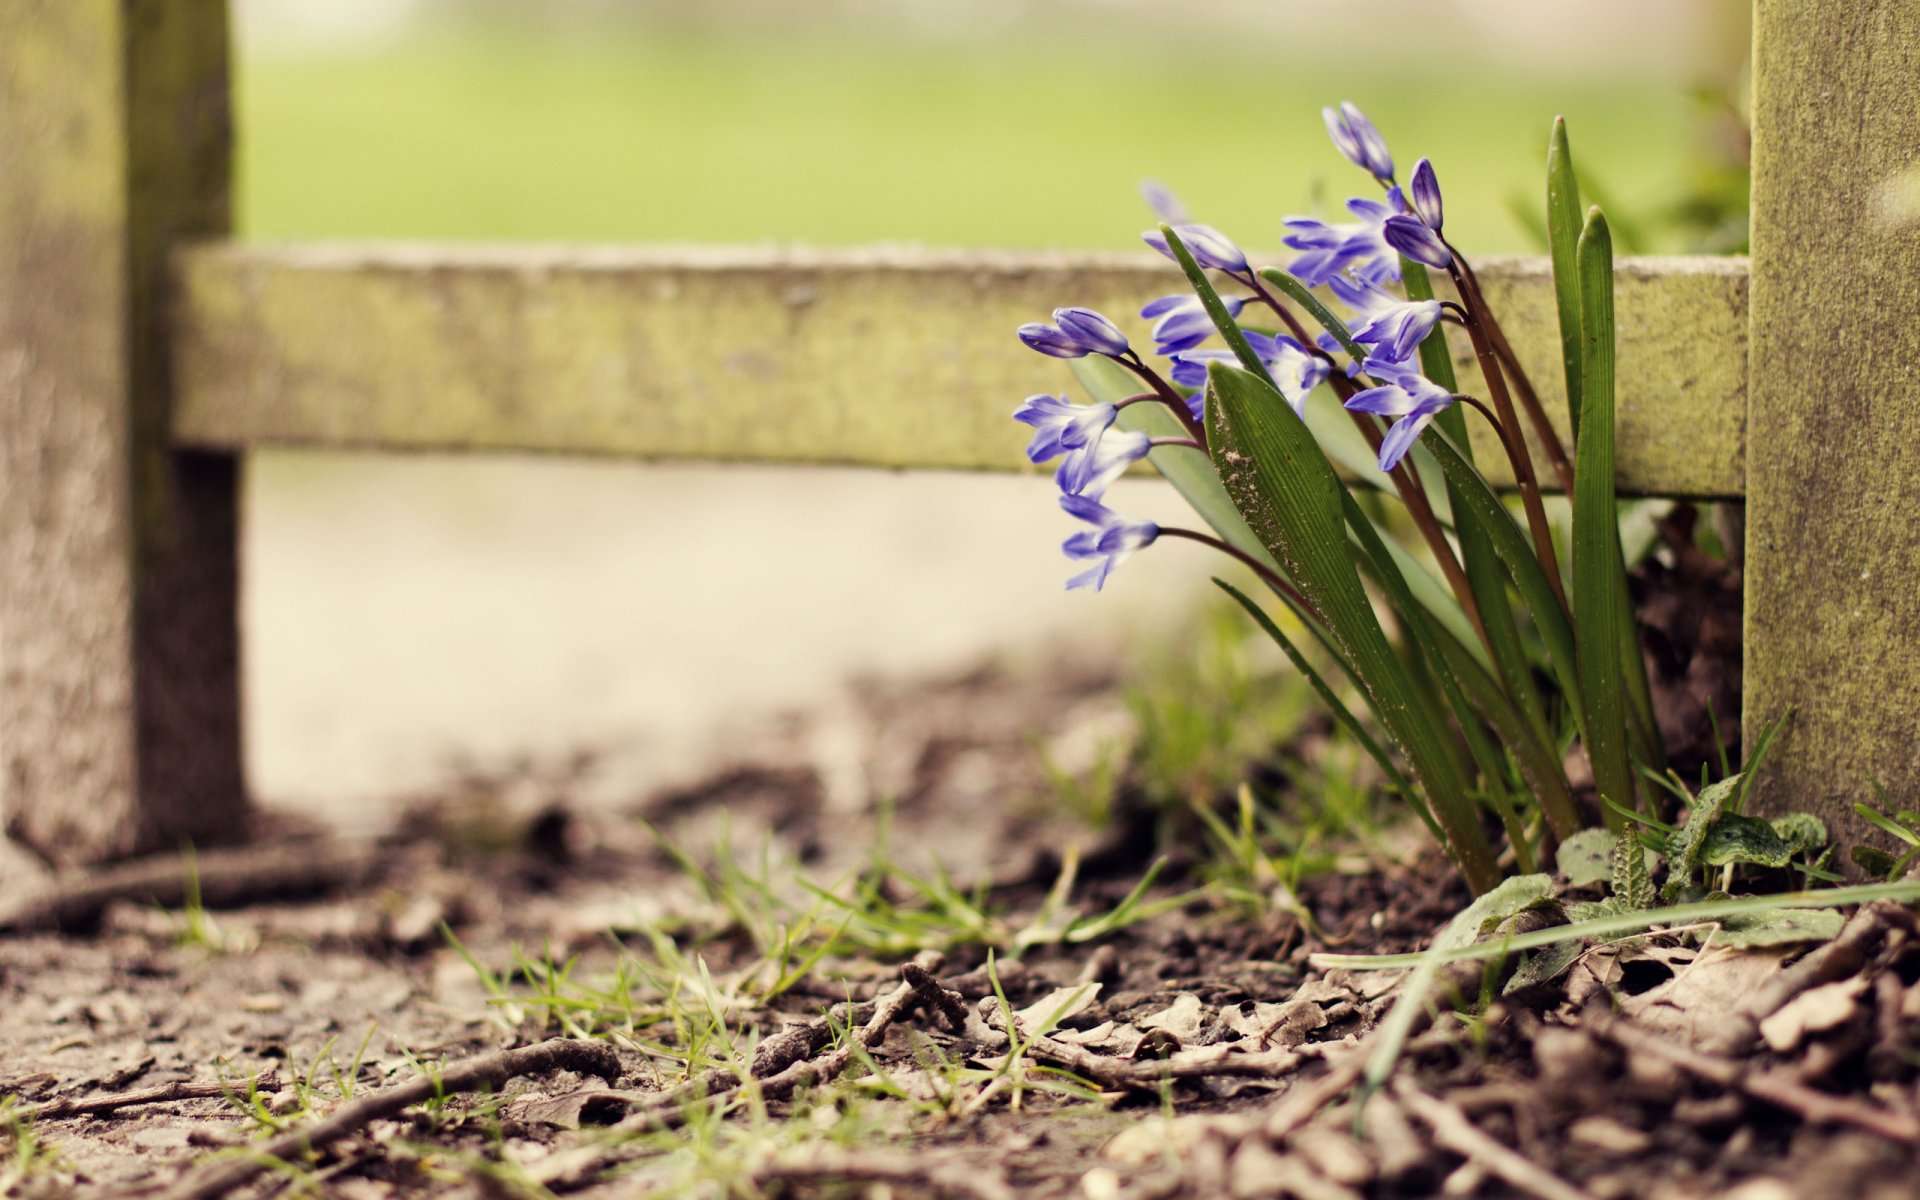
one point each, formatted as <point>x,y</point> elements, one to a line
<point>403,614</point>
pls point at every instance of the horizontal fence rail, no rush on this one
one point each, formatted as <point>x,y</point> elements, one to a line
<point>892,358</point>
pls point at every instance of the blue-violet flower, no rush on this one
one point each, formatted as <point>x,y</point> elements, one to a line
<point>1424,191</point>
<point>1163,202</point>
<point>1111,540</point>
<point>1411,398</point>
<point>1052,342</point>
<point>1089,468</point>
<point>1091,330</point>
<point>1060,426</point>
<point>1356,138</point>
<point>1414,238</point>
<point>1209,247</point>
<point>1393,327</point>
<point>1357,246</point>
<point>1295,369</point>
<point>1184,321</point>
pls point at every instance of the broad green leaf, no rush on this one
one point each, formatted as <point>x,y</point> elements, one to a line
<point>1544,966</point>
<point>1586,857</point>
<point>1685,847</point>
<point>1487,911</point>
<point>1737,839</point>
<point>1596,535</point>
<point>1284,486</point>
<point>1779,927</point>
<point>1801,831</point>
<point>1874,861</point>
<point>1632,886</point>
<point>1563,236</point>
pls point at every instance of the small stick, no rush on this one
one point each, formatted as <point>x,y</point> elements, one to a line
<point>485,1073</point>
<point>1118,1074</point>
<point>1453,1130</point>
<point>226,878</point>
<point>1773,1087</point>
<point>165,1093</point>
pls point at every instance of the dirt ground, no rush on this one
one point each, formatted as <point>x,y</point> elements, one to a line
<point>159,1045</point>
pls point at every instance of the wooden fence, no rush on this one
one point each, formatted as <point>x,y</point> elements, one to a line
<point>142,355</point>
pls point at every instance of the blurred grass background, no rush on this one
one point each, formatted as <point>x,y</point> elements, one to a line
<point>404,613</point>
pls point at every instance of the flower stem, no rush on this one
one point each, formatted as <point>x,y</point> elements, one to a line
<point>1513,456</point>
<point>1175,402</point>
<point>1177,441</point>
<point>1266,573</point>
<point>1529,398</point>
<point>1286,314</point>
<point>1503,404</point>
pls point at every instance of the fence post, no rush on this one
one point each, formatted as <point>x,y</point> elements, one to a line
<point>119,698</point>
<point>1833,427</point>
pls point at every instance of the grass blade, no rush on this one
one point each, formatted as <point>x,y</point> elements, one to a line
<point>1597,592</point>
<point>1563,237</point>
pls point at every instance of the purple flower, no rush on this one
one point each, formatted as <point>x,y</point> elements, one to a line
<point>1295,369</point>
<point>1393,327</point>
<point>1425,193</point>
<point>1209,247</point>
<point>1357,246</point>
<point>1412,237</point>
<point>1112,540</point>
<point>1060,426</point>
<point>1163,202</point>
<point>1091,330</point>
<point>1184,322</point>
<point>1356,138</point>
<point>1408,396</point>
<point>1089,468</point>
<point>1050,341</point>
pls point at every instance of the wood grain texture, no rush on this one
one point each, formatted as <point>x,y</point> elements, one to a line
<point>1833,550</point>
<point>119,716</point>
<point>895,359</point>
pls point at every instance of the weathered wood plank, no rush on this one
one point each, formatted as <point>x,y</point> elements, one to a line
<point>897,359</point>
<point>119,702</point>
<point>1833,550</point>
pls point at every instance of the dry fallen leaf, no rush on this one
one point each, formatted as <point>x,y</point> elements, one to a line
<point>1814,1011</point>
<point>1183,1018</point>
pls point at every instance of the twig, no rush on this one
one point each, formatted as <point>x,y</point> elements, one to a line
<point>163,1094</point>
<point>1117,1074</point>
<point>1452,1130</point>
<point>1773,1087</point>
<point>1839,958</point>
<point>487,1072</point>
<point>226,878</point>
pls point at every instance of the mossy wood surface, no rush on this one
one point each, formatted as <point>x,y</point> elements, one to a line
<point>1833,546</point>
<point>895,359</point>
<point>119,705</point>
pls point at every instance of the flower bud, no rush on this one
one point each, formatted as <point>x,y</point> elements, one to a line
<point>1425,194</point>
<point>1050,341</point>
<point>1094,332</point>
<point>1412,237</point>
<point>1356,138</point>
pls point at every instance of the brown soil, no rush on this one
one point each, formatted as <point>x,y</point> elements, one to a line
<point>117,1003</point>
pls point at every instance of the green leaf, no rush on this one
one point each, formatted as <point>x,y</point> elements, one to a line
<point>1513,548</point>
<point>1685,847</point>
<point>1801,831</point>
<point>1216,308</point>
<point>1874,861</point>
<point>1596,531</point>
<point>1877,818</point>
<point>1563,234</point>
<point>1632,886</point>
<point>1735,839</point>
<point>1779,927</point>
<point>1543,966</point>
<point>1586,857</point>
<point>1284,486</point>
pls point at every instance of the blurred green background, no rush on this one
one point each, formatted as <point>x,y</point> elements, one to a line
<point>831,123</point>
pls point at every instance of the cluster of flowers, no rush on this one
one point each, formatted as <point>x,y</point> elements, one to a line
<point>1354,260</point>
